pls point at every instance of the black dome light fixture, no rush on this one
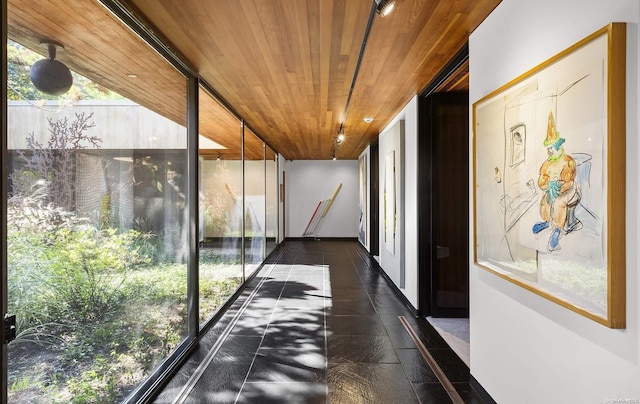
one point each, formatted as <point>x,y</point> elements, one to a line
<point>51,76</point>
<point>384,7</point>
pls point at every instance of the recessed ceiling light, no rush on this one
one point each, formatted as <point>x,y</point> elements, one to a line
<point>368,119</point>
<point>132,76</point>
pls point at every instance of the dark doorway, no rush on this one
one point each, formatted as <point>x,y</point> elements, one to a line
<point>443,201</point>
<point>283,187</point>
<point>374,202</point>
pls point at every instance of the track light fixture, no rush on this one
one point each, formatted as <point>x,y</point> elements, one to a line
<point>49,75</point>
<point>340,136</point>
<point>384,7</point>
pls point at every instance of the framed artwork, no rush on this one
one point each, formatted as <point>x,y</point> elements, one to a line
<point>549,178</point>
<point>362,199</point>
<point>390,202</point>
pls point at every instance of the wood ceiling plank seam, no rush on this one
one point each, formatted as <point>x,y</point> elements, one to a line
<point>435,35</point>
<point>262,49</point>
<point>325,45</point>
<point>166,13</point>
<point>313,84</point>
<point>303,74</point>
<point>294,99</point>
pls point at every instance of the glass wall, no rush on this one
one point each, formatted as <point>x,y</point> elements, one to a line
<point>221,209</point>
<point>254,201</point>
<point>271,183</point>
<point>97,241</point>
<point>98,207</point>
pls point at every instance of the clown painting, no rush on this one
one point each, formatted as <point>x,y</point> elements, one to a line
<point>561,191</point>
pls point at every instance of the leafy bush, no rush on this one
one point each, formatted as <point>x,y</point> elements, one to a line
<point>63,269</point>
<point>88,267</point>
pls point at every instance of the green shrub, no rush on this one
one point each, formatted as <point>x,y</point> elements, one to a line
<point>87,269</point>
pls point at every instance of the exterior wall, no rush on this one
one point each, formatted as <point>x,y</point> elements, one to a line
<point>120,124</point>
<point>524,348</point>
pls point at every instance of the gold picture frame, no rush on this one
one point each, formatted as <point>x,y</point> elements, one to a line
<point>549,178</point>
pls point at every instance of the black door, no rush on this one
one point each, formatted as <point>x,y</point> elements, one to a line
<point>374,202</point>
<point>443,204</point>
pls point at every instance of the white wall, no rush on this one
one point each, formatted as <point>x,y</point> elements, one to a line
<point>524,348</point>
<point>410,223</point>
<point>310,181</point>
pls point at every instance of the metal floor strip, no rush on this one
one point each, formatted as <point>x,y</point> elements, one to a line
<point>444,380</point>
<point>195,377</point>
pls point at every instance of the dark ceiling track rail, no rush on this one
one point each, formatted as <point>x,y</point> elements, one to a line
<point>365,39</point>
<point>451,67</point>
<point>139,24</point>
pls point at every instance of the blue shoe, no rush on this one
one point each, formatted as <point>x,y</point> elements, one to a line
<point>554,240</point>
<point>538,227</point>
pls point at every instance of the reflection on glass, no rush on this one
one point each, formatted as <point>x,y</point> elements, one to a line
<point>96,238</point>
<point>221,210</point>
<point>254,202</point>
<point>271,200</point>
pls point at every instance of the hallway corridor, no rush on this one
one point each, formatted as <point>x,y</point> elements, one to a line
<point>320,324</point>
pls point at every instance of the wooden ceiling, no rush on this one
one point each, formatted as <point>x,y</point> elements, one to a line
<point>285,66</point>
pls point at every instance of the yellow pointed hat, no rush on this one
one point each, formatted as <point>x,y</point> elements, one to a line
<point>552,134</point>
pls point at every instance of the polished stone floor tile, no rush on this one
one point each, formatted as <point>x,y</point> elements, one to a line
<point>357,383</point>
<point>360,349</point>
<point>355,325</point>
<point>397,311</point>
<point>431,393</point>
<point>399,336</point>
<point>254,325</point>
<point>238,349</point>
<point>451,364</point>
<point>468,394</point>
<point>320,325</point>
<point>311,302</point>
<point>416,367</point>
<point>390,301</point>
<point>289,365</point>
<point>352,293</point>
<point>219,384</point>
<point>283,393</point>
<point>350,307</point>
<point>298,340</point>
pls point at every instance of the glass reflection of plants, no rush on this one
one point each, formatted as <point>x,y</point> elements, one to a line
<point>100,299</point>
<point>220,265</point>
<point>77,284</point>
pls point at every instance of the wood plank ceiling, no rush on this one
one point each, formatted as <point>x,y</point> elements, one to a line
<point>285,66</point>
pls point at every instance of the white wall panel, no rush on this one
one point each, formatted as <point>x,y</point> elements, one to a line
<point>524,348</point>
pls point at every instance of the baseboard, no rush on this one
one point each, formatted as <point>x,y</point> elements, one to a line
<point>316,238</point>
<point>373,265</point>
<point>484,395</point>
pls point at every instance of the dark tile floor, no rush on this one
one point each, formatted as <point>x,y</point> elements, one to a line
<point>318,324</point>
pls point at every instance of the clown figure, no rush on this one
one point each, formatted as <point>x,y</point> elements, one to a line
<point>560,190</point>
